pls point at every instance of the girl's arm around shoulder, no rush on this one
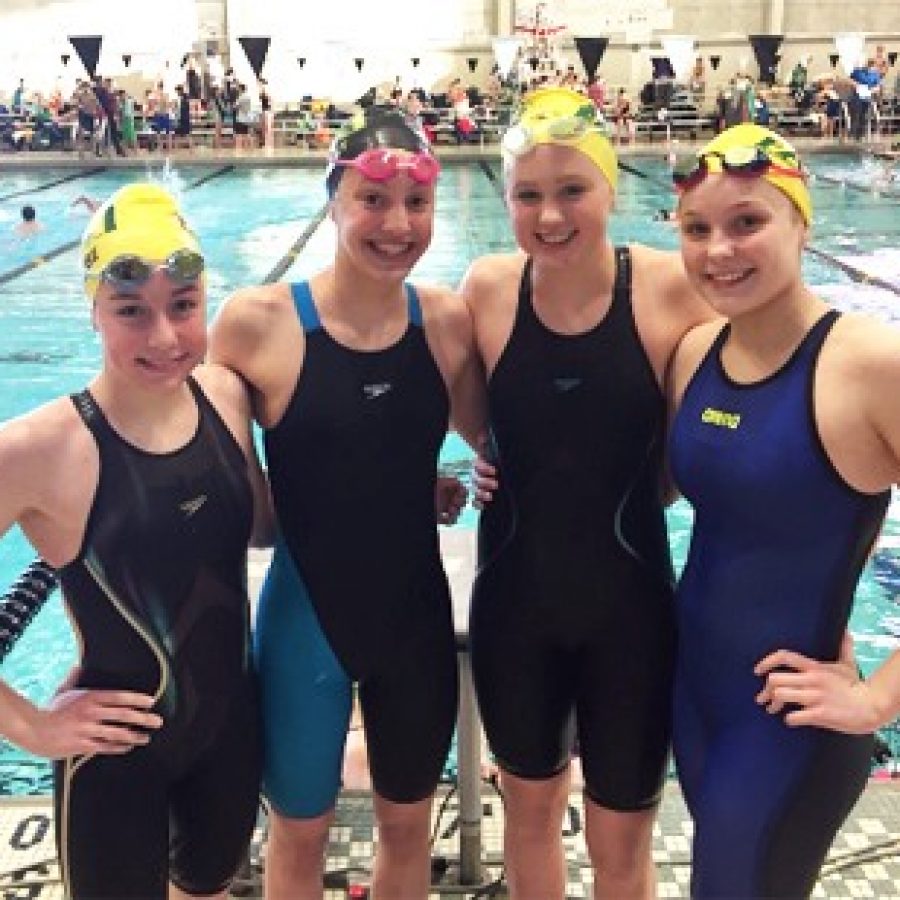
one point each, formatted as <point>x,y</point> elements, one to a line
<point>857,385</point>
<point>450,334</point>
<point>877,348</point>
<point>660,275</point>
<point>246,334</point>
<point>487,278</point>
<point>490,289</point>
<point>230,395</point>
<point>665,304</point>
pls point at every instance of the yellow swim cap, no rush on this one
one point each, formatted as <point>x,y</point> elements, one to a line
<point>773,147</point>
<point>138,220</point>
<point>558,115</point>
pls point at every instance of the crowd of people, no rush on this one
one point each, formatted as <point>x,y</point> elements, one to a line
<point>109,119</point>
<point>105,118</point>
<point>595,382</point>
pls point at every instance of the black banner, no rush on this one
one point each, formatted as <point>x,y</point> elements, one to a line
<point>591,50</point>
<point>88,49</point>
<point>765,49</point>
<point>255,49</point>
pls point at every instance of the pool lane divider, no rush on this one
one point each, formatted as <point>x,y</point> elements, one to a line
<point>633,170</point>
<point>95,170</point>
<point>288,259</point>
<point>491,175</point>
<point>209,177</point>
<point>23,601</point>
<point>857,274</point>
<point>853,186</point>
<point>70,245</point>
<point>38,261</point>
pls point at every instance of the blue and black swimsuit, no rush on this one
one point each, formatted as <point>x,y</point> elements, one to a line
<point>356,591</point>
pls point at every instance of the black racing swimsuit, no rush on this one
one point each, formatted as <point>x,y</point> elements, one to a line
<point>572,621</point>
<point>158,598</point>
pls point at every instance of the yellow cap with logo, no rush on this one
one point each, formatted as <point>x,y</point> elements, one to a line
<point>139,219</point>
<point>785,171</point>
<point>559,115</point>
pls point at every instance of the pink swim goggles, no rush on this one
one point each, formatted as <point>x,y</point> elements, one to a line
<point>383,165</point>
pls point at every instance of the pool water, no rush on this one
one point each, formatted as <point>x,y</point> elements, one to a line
<point>248,219</point>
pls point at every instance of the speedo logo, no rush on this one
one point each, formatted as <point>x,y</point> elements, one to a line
<point>564,385</point>
<point>190,507</point>
<point>719,418</point>
<point>372,391</point>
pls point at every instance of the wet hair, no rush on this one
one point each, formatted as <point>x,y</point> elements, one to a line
<point>28,213</point>
<point>383,128</point>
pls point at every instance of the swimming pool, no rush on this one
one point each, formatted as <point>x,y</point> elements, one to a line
<point>249,219</point>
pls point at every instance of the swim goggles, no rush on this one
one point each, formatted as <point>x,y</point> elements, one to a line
<point>742,161</point>
<point>521,138</point>
<point>129,272</point>
<point>383,165</point>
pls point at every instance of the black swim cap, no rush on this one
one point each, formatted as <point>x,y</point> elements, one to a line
<point>383,128</point>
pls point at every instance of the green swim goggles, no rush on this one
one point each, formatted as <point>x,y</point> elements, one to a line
<point>130,272</point>
<point>520,138</point>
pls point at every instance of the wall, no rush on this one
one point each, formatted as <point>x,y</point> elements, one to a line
<point>451,31</point>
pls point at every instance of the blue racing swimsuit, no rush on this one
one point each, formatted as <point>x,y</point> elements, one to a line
<point>778,545</point>
<point>356,590</point>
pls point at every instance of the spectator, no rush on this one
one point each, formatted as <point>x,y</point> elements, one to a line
<point>456,93</point>
<point>108,104</point>
<point>797,85</point>
<point>494,84</point>
<point>192,83</point>
<point>126,119</point>
<point>831,101</point>
<point>596,91</point>
<point>159,116</point>
<point>396,94</point>
<point>243,118</point>
<point>412,109</point>
<point>623,117</point>
<point>222,113</point>
<point>267,117</point>
<point>698,79</point>
<point>183,128</point>
<point>18,96</point>
<point>867,81</point>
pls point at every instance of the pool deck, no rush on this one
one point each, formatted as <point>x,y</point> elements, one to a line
<point>294,156</point>
<point>864,860</point>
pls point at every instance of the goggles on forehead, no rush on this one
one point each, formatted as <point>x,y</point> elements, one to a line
<point>129,272</point>
<point>519,139</point>
<point>744,161</point>
<point>383,165</point>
